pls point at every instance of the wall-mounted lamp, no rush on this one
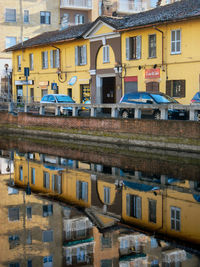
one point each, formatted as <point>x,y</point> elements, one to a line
<point>155,66</point>
<point>120,69</point>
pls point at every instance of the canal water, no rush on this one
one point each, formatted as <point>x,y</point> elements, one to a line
<point>68,206</point>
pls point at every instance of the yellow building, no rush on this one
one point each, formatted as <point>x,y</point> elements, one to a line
<point>155,50</point>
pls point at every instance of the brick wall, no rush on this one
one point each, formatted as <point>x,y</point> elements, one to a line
<point>172,128</point>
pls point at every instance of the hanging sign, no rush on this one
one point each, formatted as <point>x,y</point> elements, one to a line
<point>73,80</point>
<point>54,86</point>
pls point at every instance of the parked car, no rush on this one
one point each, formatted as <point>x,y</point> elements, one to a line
<point>196,100</point>
<point>58,99</point>
<point>145,98</point>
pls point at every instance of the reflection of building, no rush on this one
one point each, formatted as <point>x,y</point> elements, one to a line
<point>159,204</point>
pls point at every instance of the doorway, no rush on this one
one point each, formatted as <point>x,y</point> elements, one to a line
<point>152,87</point>
<point>108,89</point>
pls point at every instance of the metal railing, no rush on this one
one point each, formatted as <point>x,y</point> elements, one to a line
<point>98,110</point>
<point>82,4</point>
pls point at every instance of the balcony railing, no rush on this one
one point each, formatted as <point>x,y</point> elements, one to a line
<point>76,4</point>
<point>126,6</point>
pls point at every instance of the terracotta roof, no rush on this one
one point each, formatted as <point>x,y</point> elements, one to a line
<point>177,11</point>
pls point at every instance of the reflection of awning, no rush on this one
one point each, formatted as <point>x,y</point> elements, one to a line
<point>132,256</point>
<point>77,242</point>
<point>53,168</point>
<point>140,187</point>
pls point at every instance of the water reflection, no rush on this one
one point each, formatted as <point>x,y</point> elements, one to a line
<point>57,211</point>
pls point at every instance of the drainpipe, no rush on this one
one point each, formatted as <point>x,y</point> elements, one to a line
<point>162,44</point>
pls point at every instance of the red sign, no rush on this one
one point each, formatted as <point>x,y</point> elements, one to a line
<point>130,79</point>
<point>152,73</point>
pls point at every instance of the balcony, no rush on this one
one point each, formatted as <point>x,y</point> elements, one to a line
<point>76,4</point>
<point>129,7</point>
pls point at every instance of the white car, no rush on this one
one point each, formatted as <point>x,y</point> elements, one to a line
<point>58,99</point>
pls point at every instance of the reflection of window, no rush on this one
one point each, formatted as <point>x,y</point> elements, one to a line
<point>47,236</point>
<point>68,256</point>
<point>56,183</point>
<point>46,180</point>
<point>13,241</point>
<point>134,206</point>
<point>81,254</point>
<point>48,261</point>
<point>29,212</point>
<point>82,190</point>
<point>45,17</point>
<point>133,47</point>
<point>106,242</point>
<point>175,218</point>
<point>47,210</point>
<point>81,228</point>
<point>13,214</point>
<point>106,195</point>
<point>10,15</point>
<point>14,264</point>
<point>175,42</point>
<point>106,263</point>
<point>175,88</point>
<point>33,175</point>
<point>152,45</point>
<point>28,237</point>
<point>152,210</point>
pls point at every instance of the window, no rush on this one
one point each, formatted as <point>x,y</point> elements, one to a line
<point>133,206</point>
<point>33,175</point>
<point>106,242</point>
<point>29,212</point>
<point>48,261</point>
<point>45,59</point>
<point>69,92</point>
<point>31,61</point>
<point>45,17</point>
<point>19,68</point>
<point>152,210</point>
<point>82,190</point>
<point>47,210</point>
<point>10,15</point>
<point>79,19</point>
<point>80,55</point>
<point>46,180</point>
<point>68,256</point>
<point>81,254</point>
<point>28,237</point>
<point>175,218</point>
<point>54,58</point>
<point>106,195</point>
<point>175,42</point>
<point>106,263</point>
<point>20,173</point>
<point>152,45</point>
<point>29,263</point>
<point>56,183</point>
<point>175,88</point>
<point>47,236</point>
<point>106,56</point>
<point>26,16</point>
<point>14,241</point>
<point>153,3</point>
<point>10,41</point>
<point>13,214</point>
<point>80,228</point>
<point>133,47</point>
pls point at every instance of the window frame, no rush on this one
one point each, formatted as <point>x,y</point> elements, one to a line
<point>177,222</point>
<point>106,194</point>
<point>45,17</point>
<point>19,66</point>
<point>106,54</point>
<point>79,19</point>
<point>8,15</point>
<point>31,63</point>
<point>45,61</point>
<point>8,38</point>
<point>136,210</point>
<point>152,46</point>
<point>175,42</point>
<point>26,17</point>
<point>134,47</point>
<point>54,58</point>
<point>171,88</point>
<point>152,215</point>
<point>81,55</point>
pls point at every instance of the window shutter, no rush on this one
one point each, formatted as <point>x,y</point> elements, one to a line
<point>85,191</point>
<point>53,180</point>
<point>182,92</point>
<point>57,58</point>
<point>127,48</point>
<point>76,56</point>
<point>138,47</point>
<point>84,54</point>
<point>128,204</point>
<point>138,207</point>
<point>59,184</point>
<point>168,88</point>
<point>77,189</point>
<point>51,58</point>
<point>46,60</point>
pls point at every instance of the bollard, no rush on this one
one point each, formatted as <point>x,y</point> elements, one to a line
<point>164,114</point>
<point>137,114</point>
<point>57,111</point>
<point>114,113</point>
<point>93,112</point>
<point>42,110</point>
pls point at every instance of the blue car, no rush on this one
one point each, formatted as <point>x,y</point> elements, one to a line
<point>58,99</point>
<point>196,100</point>
<point>145,98</point>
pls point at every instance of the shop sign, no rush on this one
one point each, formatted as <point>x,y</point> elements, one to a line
<point>29,82</point>
<point>152,73</point>
<point>72,81</point>
<point>44,83</point>
<point>130,79</point>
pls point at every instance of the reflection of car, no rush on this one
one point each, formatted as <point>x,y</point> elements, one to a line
<point>196,100</point>
<point>86,102</point>
<point>150,98</point>
<point>58,99</point>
